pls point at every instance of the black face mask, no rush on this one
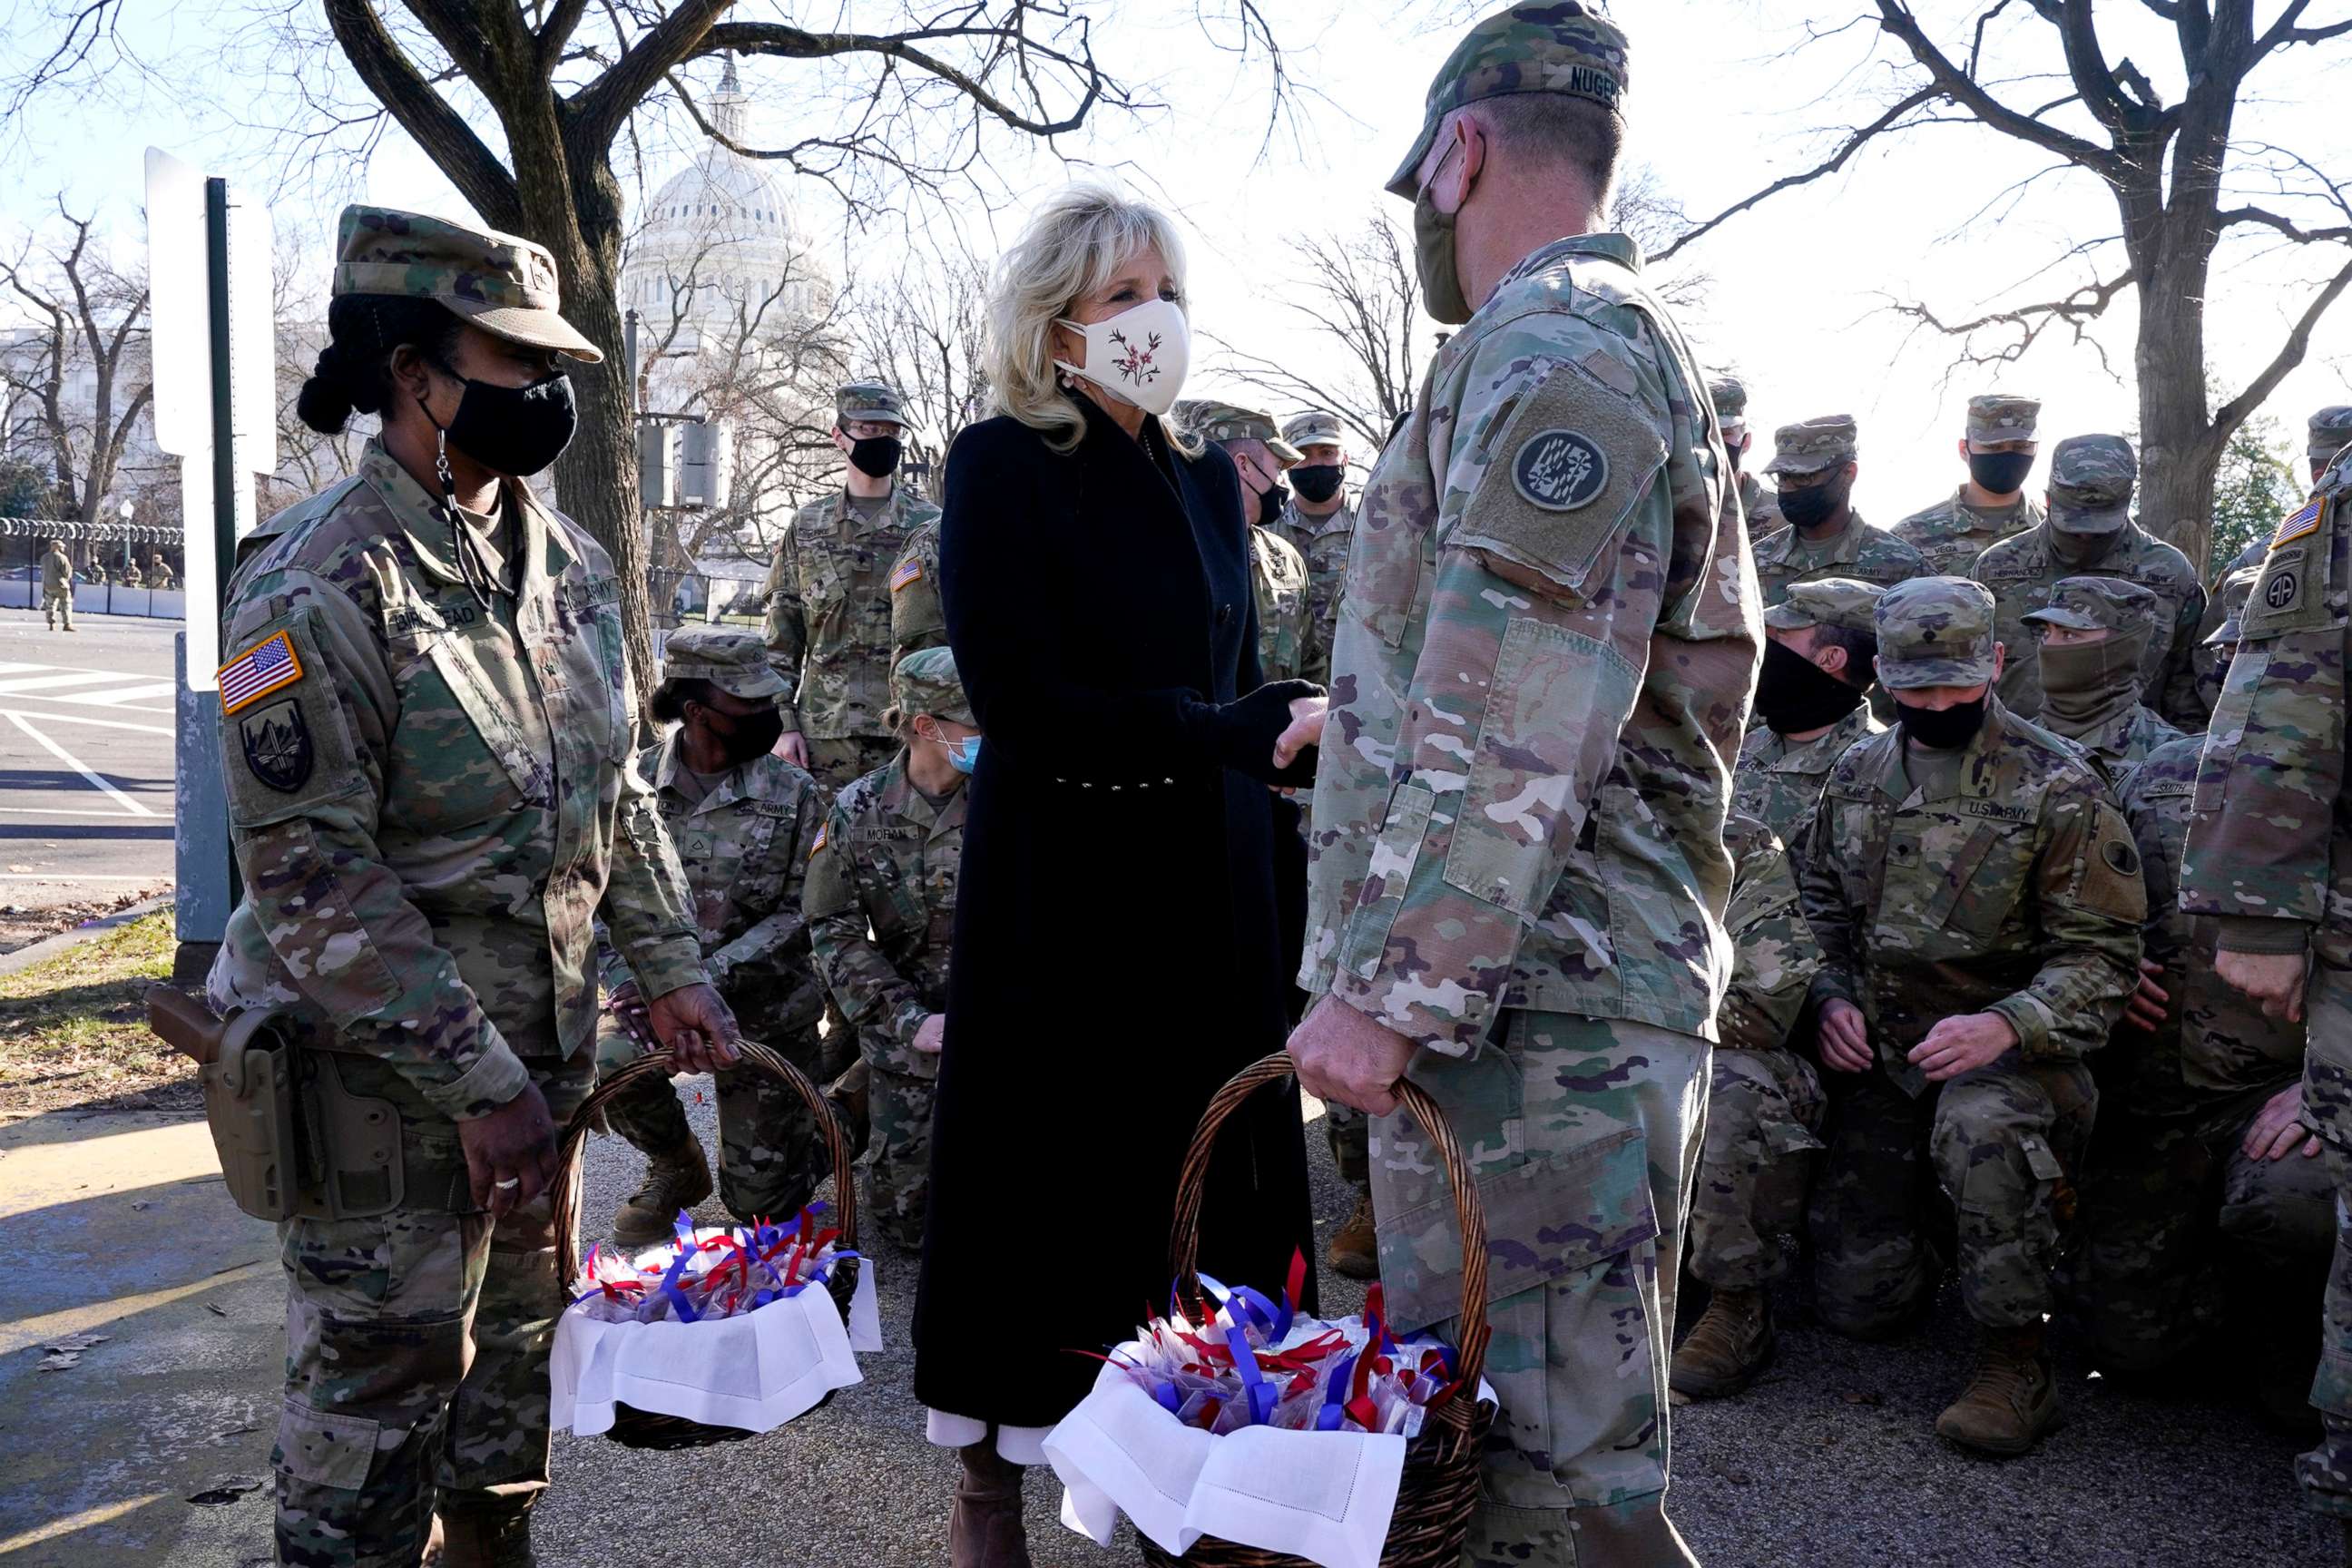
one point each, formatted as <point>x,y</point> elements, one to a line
<point>2000,473</point>
<point>1318,484</point>
<point>875,456</point>
<point>1270,504</point>
<point>748,736</point>
<point>515,430</point>
<point>1943,729</point>
<point>1793,694</point>
<point>1814,505</point>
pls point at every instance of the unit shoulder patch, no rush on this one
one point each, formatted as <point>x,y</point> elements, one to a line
<point>1560,471</point>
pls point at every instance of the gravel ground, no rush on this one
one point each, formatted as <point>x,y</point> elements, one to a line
<point>1830,1460</point>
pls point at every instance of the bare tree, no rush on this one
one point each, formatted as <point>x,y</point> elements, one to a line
<point>82,377</point>
<point>2181,185</point>
<point>1360,290</point>
<point>924,332</point>
<point>307,461</point>
<point>1641,209</point>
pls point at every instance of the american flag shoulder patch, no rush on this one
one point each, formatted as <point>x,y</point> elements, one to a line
<point>269,665</point>
<point>2304,520</point>
<point>822,828</point>
<point>910,570</point>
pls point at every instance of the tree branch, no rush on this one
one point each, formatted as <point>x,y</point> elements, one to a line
<point>597,110</point>
<point>1853,143</point>
<point>1964,91</point>
<point>2234,413</point>
<point>444,134</point>
<point>793,43</point>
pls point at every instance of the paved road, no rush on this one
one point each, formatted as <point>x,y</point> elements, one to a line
<point>86,740</point>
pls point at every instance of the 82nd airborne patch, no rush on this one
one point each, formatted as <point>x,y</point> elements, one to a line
<point>1560,471</point>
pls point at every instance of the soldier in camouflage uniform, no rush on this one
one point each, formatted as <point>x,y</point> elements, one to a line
<point>918,618</point>
<point>159,572</point>
<point>1321,522</point>
<point>1991,504</point>
<point>742,821</point>
<point>830,599</point>
<point>881,911</point>
<point>1820,659</point>
<point>1546,643</point>
<point>1757,505</point>
<point>2326,433</point>
<point>1278,568</point>
<point>2200,1175</point>
<point>1814,465</point>
<point>56,584</point>
<point>2269,862</point>
<point>427,722</point>
<point>2093,635</point>
<point>1978,899</point>
<point>1764,1108</point>
<point>2220,644</point>
<point>2089,532</point>
<point>132,577</point>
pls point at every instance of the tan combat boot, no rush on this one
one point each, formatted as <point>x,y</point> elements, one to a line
<point>493,1533</point>
<point>985,1529</point>
<point>675,1179</point>
<point>2011,1401</point>
<point>1729,1344</point>
<point>1355,1251</point>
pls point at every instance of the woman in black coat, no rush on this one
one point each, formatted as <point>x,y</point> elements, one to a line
<point>1117,953</point>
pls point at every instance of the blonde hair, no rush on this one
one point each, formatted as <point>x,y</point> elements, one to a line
<point>1073,244</point>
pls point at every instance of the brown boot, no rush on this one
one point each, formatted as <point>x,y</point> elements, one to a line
<point>675,1179</point>
<point>1729,1344</point>
<point>487,1532</point>
<point>985,1530</point>
<point>2011,1401</point>
<point>1355,1251</point>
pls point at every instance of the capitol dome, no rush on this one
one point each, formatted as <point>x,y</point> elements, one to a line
<point>719,243</point>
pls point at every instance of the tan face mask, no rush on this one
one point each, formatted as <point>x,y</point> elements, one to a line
<point>2084,684</point>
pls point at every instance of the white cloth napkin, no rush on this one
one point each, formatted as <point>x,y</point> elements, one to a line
<point>1324,1496</point>
<point>755,1371</point>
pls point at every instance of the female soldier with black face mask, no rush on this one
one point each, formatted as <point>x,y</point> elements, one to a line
<point>426,722</point>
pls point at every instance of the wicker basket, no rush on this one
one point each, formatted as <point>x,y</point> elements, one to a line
<point>1440,1467</point>
<point>636,1429</point>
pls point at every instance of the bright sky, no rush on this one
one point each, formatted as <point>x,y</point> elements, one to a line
<point>1799,283</point>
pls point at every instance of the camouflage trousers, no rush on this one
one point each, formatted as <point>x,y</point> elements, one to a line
<point>2326,1472</point>
<point>2001,1141</point>
<point>1584,1137</point>
<point>416,1347</point>
<point>839,763</point>
<point>898,1157</point>
<point>1763,1112</point>
<point>55,604</point>
<point>2174,1210</point>
<point>1346,1132</point>
<point>770,1160</point>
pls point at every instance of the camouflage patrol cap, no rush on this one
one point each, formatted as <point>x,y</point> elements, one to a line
<point>1213,421</point>
<point>732,659</point>
<point>501,284</point>
<point>926,682</point>
<point>1935,631</point>
<point>1316,427</point>
<point>2003,417</point>
<point>2091,480</point>
<point>1813,446</point>
<point>877,401</point>
<point>2236,589</point>
<point>1729,395</point>
<point>2330,428</point>
<point>2095,604</point>
<point>1827,601</point>
<point>1563,47</point>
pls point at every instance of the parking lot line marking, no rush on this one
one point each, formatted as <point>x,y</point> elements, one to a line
<point>76,764</point>
<point>139,693</point>
<point>71,877</point>
<point>11,685</point>
<point>100,723</point>
<point>58,811</point>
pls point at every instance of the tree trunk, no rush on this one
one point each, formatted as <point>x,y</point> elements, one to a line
<point>2178,453</point>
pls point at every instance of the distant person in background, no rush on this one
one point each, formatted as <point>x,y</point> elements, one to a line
<point>159,572</point>
<point>57,585</point>
<point>1991,504</point>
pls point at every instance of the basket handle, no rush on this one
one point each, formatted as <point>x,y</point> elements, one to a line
<point>757,1057</point>
<point>1185,1241</point>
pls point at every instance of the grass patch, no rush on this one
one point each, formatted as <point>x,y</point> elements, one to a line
<point>73,1029</point>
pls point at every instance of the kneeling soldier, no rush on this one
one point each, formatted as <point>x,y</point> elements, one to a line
<point>1820,647</point>
<point>1763,1112</point>
<point>881,908</point>
<point>1978,901</point>
<point>742,821</point>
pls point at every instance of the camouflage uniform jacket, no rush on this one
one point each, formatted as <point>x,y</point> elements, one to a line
<point>2020,894</point>
<point>2021,572</point>
<point>432,815</point>
<point>1780,783</point>
<point>888,861</point>
<point>1759,506</point>
<point>57,572</point>
<point>744,847</point>
<point>1324,541</point>
<point>2213,1043</point>
<point>1774,955</point>
<point>2270,837</point>
<point>2121,744</point>
<point>1951,534</point>
<point>1284,633</point>
<point>1543,664</point>
<point>1860,550</point>
<point>829,632</point>
<point>918,619</point>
